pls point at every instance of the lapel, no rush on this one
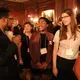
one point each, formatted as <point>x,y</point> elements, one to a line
<point>3,34</point>
<point>37,37</point>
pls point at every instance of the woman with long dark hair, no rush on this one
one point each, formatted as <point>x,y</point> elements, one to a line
<point>66,47</point>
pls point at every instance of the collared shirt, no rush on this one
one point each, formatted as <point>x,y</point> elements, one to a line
<point>68,48</point>
<point>9,34</point>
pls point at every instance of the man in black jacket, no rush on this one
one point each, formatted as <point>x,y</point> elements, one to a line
<point>8,65</point>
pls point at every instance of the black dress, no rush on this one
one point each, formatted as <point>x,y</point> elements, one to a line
<point>25,52</point>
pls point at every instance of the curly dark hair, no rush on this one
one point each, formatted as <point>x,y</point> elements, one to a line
<point>46,20</point>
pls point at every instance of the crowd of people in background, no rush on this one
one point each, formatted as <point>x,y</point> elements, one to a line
<point>46,54</point>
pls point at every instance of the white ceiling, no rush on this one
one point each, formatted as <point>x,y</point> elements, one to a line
<point>18,0</point>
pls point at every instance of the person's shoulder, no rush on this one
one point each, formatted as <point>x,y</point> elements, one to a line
<point>34,36</point>
<point>8,32</point>
<point>78,33</point>
<point>1,31</point>
<point>23,35</point>
<point>57,32</point>
<point>50,35</point>
<point>35,33</point>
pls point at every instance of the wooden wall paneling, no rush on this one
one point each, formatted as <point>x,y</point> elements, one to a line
<point>17,10</point>
<point>18,16</point>
<point>36,7</point>
<point>21,11</point>
<point>59,7</point>
<point>31,9</point>
<point>3,3</point>
<point>46,6</point>
<point>78,5</point>
<point>71,4</point>
<point>15,6</point>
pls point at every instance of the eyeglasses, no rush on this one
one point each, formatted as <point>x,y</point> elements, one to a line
<point>64,17</point>
<point>10,18</point>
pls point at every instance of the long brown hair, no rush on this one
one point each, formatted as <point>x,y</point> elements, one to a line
<point>63,29</point>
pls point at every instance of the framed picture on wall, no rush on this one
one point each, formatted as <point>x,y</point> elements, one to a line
<point>48,14</point>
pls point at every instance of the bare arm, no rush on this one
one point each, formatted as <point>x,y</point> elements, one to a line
<point>54,58</point>
<point>55,50</point>
<point>19,54</point>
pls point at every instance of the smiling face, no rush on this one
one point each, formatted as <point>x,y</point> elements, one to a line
<point>42,25</point>
<point>27,28</point>
<point>66,19</point>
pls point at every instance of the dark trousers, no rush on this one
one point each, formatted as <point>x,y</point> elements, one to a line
<point>38,74</point>
<point>65,69</point>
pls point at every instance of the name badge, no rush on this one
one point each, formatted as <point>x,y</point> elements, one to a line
<point>43,51</point>
<point>69,52</point>
<point>15,57</point>
<point>28,50</point>
<point>50,42</point>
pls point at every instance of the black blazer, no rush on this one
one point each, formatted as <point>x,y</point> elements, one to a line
<point>8,65</point>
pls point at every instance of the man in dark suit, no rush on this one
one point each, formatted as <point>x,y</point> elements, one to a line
<point>8,64</point>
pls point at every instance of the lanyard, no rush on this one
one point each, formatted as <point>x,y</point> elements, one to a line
<point>41,41</point>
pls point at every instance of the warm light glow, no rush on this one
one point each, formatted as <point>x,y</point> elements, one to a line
<point>49,14</point>
<point>31,19</point>
<point>29,15</point>
<point>15,22</point>
<point>75,10</point>
<point>35,20</point>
